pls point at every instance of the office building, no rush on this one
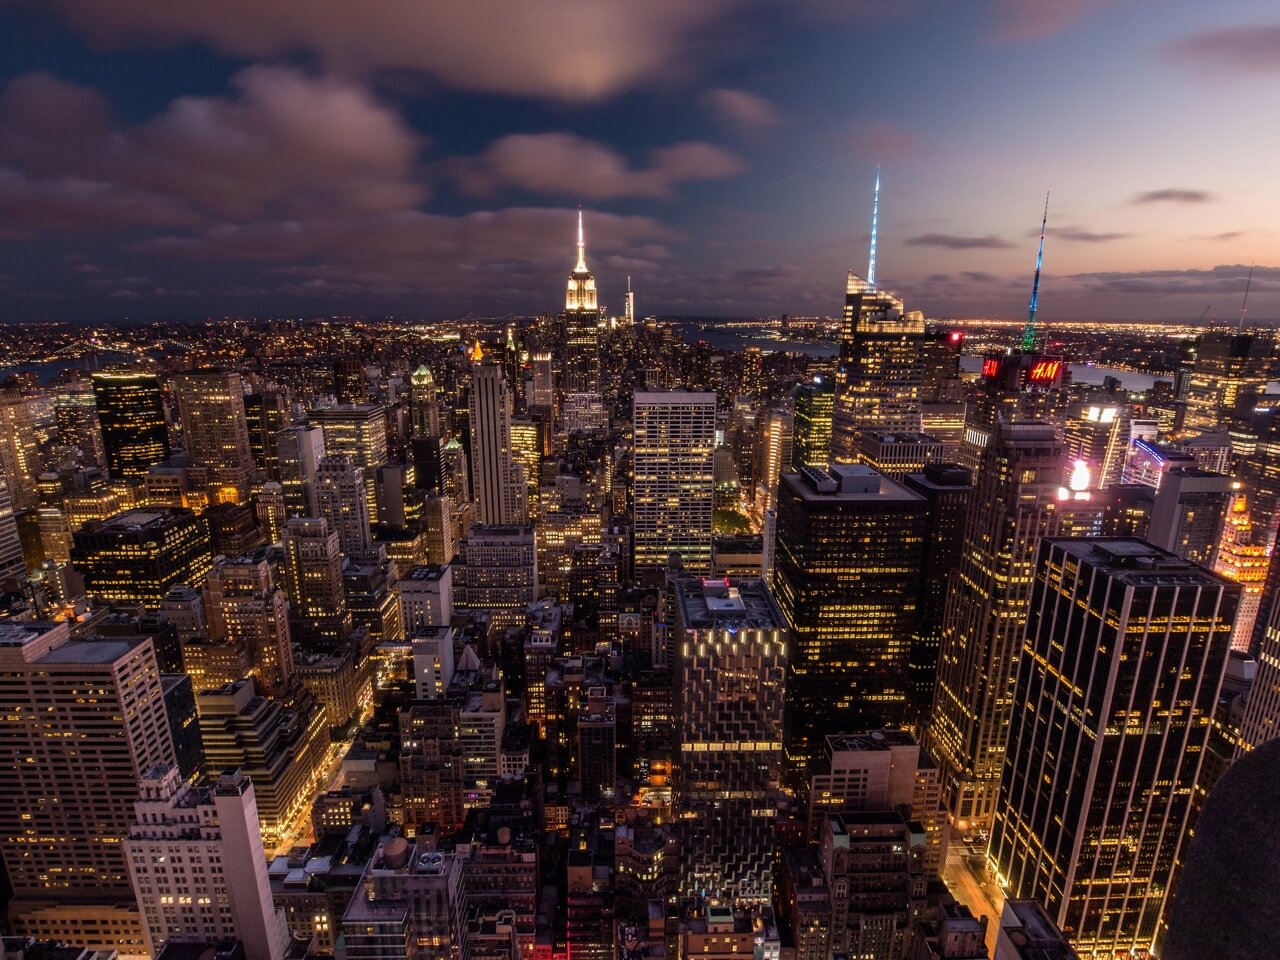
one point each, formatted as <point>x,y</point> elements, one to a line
<point>500,488</point>
<point>86,719</point>
<point>358,430</point>
<point>76,413</point>
<point>248,610</point>
<point>135,557</point>
<point>673,483</point>
<point>880,370</point>
<point>131,413</point>
<point>1016,387</point>
<point>425,595</point>
<point>878,771</point>
<point>1189,512</point>
<point>216,431</point>
<point>846,574</point>
<point>897,454</point>
<point>1098,432</point>
<point>774,453</point>
<point>424,405</point>
<point>542,390</point>
<point>268,411</point>
<point>731,685</point>
<point>1228,367</point>
<point>279,748</point>
<point>1242,558</point>
<point>1027,932</point>
<point>946,489</point>
<point>13,566</point>
<point>299,451</point>
<point>814,403</point>
<point>1124,653</point>
<point>313,581</point>
<point>19,449</point>
<point>349,380</point>
<point>1014,503</point>
<point>432,660</point>
<point>498,572</point>
<point>1261,720</point>
<point>340,499</point>
<point>198,866</point>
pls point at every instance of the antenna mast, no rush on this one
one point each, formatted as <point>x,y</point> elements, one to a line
<point>1244,304</point>
<point>1029,332</point>
<point>875,219</point>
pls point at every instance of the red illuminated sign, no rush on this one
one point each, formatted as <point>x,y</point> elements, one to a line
<point>1044,371</point>
<point>956,336</point>
<point>990,367</point>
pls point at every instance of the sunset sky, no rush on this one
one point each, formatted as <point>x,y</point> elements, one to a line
<point>183,160</point>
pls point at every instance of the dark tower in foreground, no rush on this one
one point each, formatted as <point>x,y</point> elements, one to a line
<point>1124,655</point>
<point>131,412</point>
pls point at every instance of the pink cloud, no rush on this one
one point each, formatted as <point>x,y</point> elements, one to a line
<point>740,108</point>
<point>1021,21</point>
<point>567,165</point>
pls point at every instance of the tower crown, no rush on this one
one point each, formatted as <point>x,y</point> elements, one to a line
<point>581,292</point>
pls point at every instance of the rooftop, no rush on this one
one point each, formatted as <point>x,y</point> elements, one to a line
<point>727,604</point>
<point>846,483</point>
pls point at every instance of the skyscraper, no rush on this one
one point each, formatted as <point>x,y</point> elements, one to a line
<point>946,488</point>
<point>814,402</point>
<point>360,431</point>
<point>846,576</point>
<point>1014,504</point>
<point>86,721</point>
<point>775,453</point>
<point>298,454</point>
<point>198,866</point>
<point>131,412</point>
<point>19,448</point>
<point>1124,655</point>
<point>880,372</point>
<point>248,610</point>
<point>340,499</point>
<point>424,406</point>
<point>674,484</point>
<point>501,496</point>
<point>731,687</point>
<point>348,380</point>
<point>313,580</point>
<point>77,415</point>
<point>136,556</point>
<point>216,432</point>
<point>267,411</point>
<point>1226,368</point>
<point>1189,512</point>
<point>581,321</point>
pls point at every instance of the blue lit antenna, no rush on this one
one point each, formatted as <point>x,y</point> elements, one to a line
<point>1029,333</point>
<point>875,219</point>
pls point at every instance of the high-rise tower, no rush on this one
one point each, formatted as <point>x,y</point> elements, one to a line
<point>216,431</point>
<point>1123,659</point>
<point>131,412</point>
<point>499,483</point>
<point>880,371</point>
<point>581,326</point>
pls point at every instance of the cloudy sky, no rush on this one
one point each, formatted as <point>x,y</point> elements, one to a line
<point>173,159</point>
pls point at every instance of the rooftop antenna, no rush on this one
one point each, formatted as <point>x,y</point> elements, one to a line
<point>1244,304</point>
<point>1029,332</point>
<point>875,220</point>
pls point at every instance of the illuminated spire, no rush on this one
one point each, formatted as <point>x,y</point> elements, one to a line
<point>875,219</point>
<point>1029,332</point>
<point>582,247</point>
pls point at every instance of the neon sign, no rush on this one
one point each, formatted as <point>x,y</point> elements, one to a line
<point>991,367</point>
<point>1044,371</point>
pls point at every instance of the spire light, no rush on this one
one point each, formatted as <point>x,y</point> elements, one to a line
<point>1029,332</point>
<point>875,220</point>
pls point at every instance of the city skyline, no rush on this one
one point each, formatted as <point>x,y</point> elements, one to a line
<point>176,165</point>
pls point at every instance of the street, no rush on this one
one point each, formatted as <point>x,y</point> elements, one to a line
<point>965,876</point>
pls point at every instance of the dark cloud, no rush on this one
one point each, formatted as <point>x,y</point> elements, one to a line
<point>1248,49</point>
<point>764,276</point>
<point>740,108</point>
<point>1224,278</point>
<point>938,278</point>
<point>562,164</point>
<point>1074,233</point>
<point>573,50</point>
<point>286,144</point>
<point>1172,195</point>
<point>980,276</point>
<point>954,241</point>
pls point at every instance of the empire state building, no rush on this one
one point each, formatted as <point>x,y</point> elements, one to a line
<point>581,326</point>
<point>581,339</point>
